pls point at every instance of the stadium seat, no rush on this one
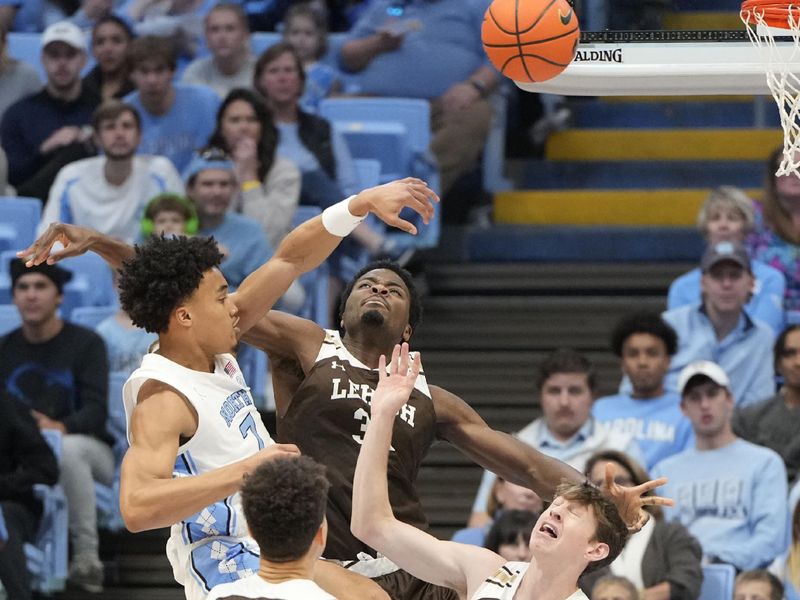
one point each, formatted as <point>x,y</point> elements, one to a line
<point>261,40</point>
<point>368,171</point>
<point>26,47</point>
<point>23,215</point>
<point>107,497</point>
<point>9,318</point>
<point>718,582</point>
<point>314,282</point>
<point>47,556</point>
<point>91,316</point>
<point>94,270</point>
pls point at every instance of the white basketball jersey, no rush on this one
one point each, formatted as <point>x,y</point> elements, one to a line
<point>503,584</point>
<point>229,429</point>
<point>256,587</point>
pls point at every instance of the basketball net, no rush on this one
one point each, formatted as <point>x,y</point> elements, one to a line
<point>766,19</point>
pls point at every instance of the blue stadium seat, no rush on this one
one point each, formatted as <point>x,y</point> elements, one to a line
<point>368,171</point>
<point>26,47</point>
<point>314,282</point>
<point>47,556</point>
<point>23,215</point>
<point>253,363</point>
<point>718,581</point>
<point>107,497</point>
<point>9,318</point>
<point>94,270</point>
<point>91,316</point>
<point>261,40</point>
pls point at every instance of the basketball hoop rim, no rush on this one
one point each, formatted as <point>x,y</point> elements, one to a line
<point>773,13</point>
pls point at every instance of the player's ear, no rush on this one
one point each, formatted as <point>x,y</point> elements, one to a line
<point>596,551</point>
<point>407,333</point>
<point>183,316</point>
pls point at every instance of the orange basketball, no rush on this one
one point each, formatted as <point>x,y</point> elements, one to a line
<point>530,40</point>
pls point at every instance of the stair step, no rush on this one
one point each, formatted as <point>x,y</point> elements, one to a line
<point>685,114</point>
<point>517,243</point>
<point>505,278</point>
<point>643,207</point>
<point>655,144</point>
<point>694,20</point>
<point>599,175</point>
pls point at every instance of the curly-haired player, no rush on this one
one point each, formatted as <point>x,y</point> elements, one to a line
<point>193,429</point>
<point>284,501</point>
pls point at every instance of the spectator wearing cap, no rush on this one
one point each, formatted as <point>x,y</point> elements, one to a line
<point>109,192</point>
<point>727,216</point>
<point>729,493</point>
<point>177,119</point>
<point>719,328</point>
<point>46,130</point>
<point>211,186</point>
<point>58,373</point>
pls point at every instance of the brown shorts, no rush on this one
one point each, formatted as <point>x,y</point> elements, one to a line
<point>401,585</point>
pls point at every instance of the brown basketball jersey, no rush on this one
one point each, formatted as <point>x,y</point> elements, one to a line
<point>327,419</point>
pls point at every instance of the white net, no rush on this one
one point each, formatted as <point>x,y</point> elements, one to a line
<point>780,50</point>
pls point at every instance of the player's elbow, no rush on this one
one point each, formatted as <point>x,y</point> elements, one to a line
<point>368,530</point>
<point>135,518</point>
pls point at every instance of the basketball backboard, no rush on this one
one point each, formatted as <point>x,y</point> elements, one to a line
<point>693,47</point>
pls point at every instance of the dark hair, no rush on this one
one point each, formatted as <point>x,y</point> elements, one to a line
<point>110,110</point>
<point>233,7</point>
<point>415,306</point>
<point>284,502</point>
<point>611,529</point>
<point>268,141</point>
<point>305,9</point>
<point>163,273</point>
<point>270,55</point>
<point>780,344</point>
<point>115,20</point>
<point>151,48</point>
<point>638,473</point>
<point>775,585</point>
<point>566,360</point>
<point>775,216</point>
<point>508,527</point>
<point>643,322</point>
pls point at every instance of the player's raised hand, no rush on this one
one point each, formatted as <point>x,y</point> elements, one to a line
<point>395,384</point>
<point>387,200</point>
<point>269,453</point>
<point>76,240</point>
<point>630,501</point>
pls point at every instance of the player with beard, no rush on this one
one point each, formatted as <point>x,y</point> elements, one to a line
<point>110,192</point>
<point>324,381</point>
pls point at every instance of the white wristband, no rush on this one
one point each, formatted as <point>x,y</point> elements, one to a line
<point>338,220</point>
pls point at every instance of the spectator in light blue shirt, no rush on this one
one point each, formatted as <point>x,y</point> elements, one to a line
<point>644,343</point>
<point>720,329</point>
<point>176,119</point>
<point>727,216</point>
<point>729,493</point>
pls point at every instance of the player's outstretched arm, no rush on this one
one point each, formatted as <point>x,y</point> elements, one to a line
<point>75,241</point>
<point>457,566</point>
<point>312,242</point>
<point>149,497</point>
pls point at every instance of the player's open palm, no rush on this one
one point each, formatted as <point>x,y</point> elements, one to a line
<point>272,452</point>
<point>387,200</point>
<point>397,382</point>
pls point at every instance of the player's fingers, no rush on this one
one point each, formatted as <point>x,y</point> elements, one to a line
<point>403,367</point>
<point>394,368</point>
<point>658,501</point>
<point>416,365</point>
<point>402,224</point>
<point>609,475</point>
<point>650,485</point>
<point>287,448</point>
<point>382,367</point>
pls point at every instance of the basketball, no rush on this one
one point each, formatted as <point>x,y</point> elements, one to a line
<point>530,40</point>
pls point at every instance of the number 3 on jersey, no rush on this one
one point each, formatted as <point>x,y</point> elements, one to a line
<point>362,416</point>
<point>249,425</point>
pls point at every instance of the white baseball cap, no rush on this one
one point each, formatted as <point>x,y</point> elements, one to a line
<point>66,32</point>
<point>703,367</point>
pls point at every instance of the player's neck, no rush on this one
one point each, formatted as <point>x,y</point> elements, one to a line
<point>540,582</point>
<point>182,351</point>
<point>367,349</point>
<point>275,572</point>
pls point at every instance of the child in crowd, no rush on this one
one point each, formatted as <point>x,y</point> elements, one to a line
<point>305,29</point>
<point>612,587</point>
<point>169,214</point>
